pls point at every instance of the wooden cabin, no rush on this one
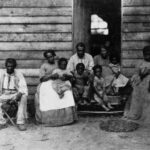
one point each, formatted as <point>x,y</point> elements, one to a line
<point>29,27</point>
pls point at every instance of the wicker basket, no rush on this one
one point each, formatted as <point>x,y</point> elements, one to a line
<point>118,125</point>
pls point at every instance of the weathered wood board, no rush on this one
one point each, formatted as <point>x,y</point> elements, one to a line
<point>35,28</point>
<point>28,28</point>
<point>35,12</point>
<point>35,46</point>
<point>136,19</point>
<point>126,3</point>
<point>35,3</point>
<point>136,27</point>
<point>132,54</point>
<point>140,36</point>
<point>35,37</point>
<point>36,20</point>
<point>135,33</point>
<point>32,54</point>
<point>127,45</point>
<point>136,10</point>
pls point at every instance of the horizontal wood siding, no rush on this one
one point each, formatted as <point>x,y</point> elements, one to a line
<point>35,3</point>
<point>35,46</point>
<point>35,11</point>
<point>36,20</point>
<point>36,28</point>
<point>132,3</point>
<point>31,55</point>
<point>135,32</point>
<point>35,37</point>
<point>28,28</point>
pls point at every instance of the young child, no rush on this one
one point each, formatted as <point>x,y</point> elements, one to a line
<point>62,84</point>
<point>81,84</point>
<point>99,88</point>
<point>116,80</point>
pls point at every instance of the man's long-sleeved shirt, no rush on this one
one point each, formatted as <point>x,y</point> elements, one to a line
<point>15,81</point>
<point>87,60</point>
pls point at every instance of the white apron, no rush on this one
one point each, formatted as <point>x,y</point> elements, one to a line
<point>49,99</point>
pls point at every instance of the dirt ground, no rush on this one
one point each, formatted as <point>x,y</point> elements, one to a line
<point>84,135</point>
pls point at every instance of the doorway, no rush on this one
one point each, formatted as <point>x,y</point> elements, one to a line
<point>107,10</point>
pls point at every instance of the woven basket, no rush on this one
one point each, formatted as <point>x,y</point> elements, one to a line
<point>118,125</point>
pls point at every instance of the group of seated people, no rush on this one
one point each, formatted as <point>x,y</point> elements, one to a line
<point>66,84</point>
<point>94,79</point>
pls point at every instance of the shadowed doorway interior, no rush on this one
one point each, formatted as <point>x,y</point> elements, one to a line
<point>110,12</point>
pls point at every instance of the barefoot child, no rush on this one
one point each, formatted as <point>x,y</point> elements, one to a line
<point>81,84</point>
<point>99,88</point>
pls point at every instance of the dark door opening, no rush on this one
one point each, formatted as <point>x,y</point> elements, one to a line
<point>110,12</point>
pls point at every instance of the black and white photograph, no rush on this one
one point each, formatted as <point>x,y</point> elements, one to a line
<point>74,74</point>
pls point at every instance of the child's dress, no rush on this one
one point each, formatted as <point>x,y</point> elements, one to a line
<point>99,84</point>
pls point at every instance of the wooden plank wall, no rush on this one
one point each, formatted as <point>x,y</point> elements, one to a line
<point>81,23</point>
<point>109,10</point>
<point>135,32</point>
<point>28,27</point>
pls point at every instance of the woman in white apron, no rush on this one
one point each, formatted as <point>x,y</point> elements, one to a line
<point>50,108</point>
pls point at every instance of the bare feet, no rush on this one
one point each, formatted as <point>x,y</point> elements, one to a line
<point>22,127</point>
<point>105,107</point>
<point>110,106</point>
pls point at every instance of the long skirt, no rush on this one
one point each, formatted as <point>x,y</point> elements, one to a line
<point>53,110</point>
<point>138,106</point>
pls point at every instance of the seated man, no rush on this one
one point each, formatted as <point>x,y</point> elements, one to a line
<point>13,88</point>
<point>80,57</point>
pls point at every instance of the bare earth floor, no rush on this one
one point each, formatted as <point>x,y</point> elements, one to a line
<point>84,135</point>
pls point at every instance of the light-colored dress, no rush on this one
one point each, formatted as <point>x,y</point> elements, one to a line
<point>50,109</point>
<point>99,84</point>
<point>138,106</point>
